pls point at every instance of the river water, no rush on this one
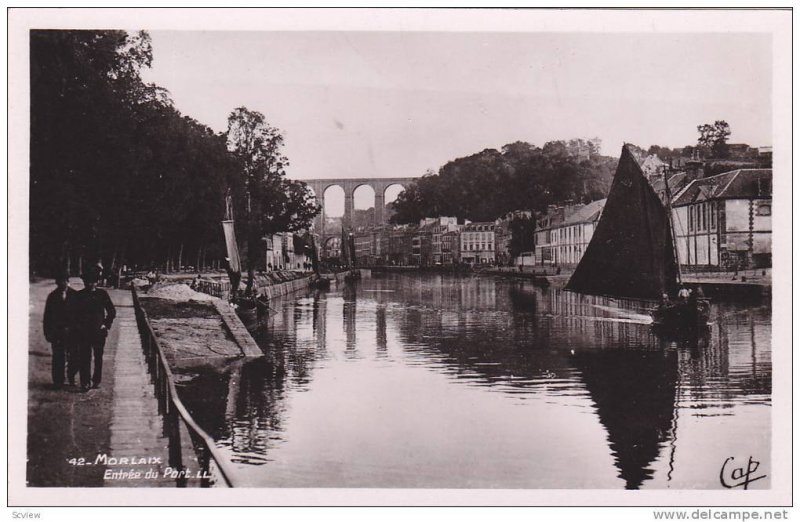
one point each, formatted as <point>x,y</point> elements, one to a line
<point>440,381</point>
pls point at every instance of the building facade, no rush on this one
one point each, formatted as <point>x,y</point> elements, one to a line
<point>400,240</point>
<point>440,254</point>
<point>725,221</point>
<point>564,233</point>
<point>362,243</point>
<point>478,243</point>
<point>451,253</point>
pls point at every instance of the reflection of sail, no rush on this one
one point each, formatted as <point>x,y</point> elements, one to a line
<point>634,392</point>
<point>630,254</point>
<point>523,336</point>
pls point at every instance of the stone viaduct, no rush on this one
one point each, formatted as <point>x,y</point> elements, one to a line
<point>349,185</point>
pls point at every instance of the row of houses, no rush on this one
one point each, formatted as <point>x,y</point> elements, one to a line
<point>286,251</point>
<point>432,242</point>
<point>721,221</point>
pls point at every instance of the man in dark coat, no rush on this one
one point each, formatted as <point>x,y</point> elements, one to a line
<point>57,329</point>
<point>92,314</point>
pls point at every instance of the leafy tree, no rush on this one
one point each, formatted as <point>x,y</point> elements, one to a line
<point>714,138</point>
<point>522,235</point>
<point>117,173</point>
<point>520,176</point>
<point>272,202</point>
<point>84,87</point>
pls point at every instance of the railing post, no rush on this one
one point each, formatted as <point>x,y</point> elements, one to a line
<point>174,437</point>
<point>205,464</point>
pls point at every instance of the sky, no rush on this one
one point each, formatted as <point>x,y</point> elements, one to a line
<point>395,104</point>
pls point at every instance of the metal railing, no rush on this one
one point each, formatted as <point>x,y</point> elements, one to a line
<point>175,413</point>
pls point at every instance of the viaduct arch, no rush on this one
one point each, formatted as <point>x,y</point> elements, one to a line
<point>349,185</point>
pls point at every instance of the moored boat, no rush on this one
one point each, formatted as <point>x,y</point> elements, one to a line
<point>632,251</point>
<point>692,314</point>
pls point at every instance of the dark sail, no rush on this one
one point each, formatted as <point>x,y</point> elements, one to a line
<point>631,252</point>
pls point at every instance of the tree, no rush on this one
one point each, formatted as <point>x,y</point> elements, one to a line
<point>713,138</point>
<point>522,235</point>
<point>271,202</point>
<point>117,173</point>
<point>520,176</point>
<point>85,85</point>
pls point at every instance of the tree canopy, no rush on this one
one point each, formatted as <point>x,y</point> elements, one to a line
<point>118,173</point>
<point>714,138</point>
<point>521,176</point>
<point>272,203</point>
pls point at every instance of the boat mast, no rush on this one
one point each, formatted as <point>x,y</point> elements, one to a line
<point>228,206</point>
<point>668,197</point>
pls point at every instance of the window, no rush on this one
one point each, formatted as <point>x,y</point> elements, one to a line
<point>691,218</point>
<point>764,209</point>
<point>705,216</point>
<point>712,217</point>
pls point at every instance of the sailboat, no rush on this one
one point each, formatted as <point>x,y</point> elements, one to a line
<point>318,281</point>
<point>632,251</point>
<point>234,264</point>
<point>247,308</point>
<point>349,255</point>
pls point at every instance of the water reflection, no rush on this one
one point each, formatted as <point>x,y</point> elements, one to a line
<point>634,393</point>
<point>441,381</point>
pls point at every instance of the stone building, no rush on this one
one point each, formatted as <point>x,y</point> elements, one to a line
<point>564,233</point>
<point>362,242</point>
<point>451,253</point>
<point>441,254</point>
<point>282,252</point>
<point>400,239</point>
<point>725,221</point>
<point>477,243</point>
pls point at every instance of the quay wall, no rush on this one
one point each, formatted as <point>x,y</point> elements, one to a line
<point>719,287</point>
<point>278,289</point>
<point>272,290</point>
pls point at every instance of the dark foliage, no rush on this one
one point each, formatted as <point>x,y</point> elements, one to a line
<point>117,173</point>
<point>522,235</point>
<point>521,176</point>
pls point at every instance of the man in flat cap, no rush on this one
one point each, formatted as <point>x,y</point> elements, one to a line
<point>57,328</point>
<point>92,313</point>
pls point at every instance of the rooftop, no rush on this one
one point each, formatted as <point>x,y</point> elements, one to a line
<point>736,184</point>
<point>575,214</point>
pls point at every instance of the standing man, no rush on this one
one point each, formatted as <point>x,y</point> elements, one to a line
<point>57,329</point>
<point>92,313</point>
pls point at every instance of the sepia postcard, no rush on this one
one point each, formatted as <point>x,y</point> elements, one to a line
<point>401,257</point>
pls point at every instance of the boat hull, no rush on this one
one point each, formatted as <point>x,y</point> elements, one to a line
<point>689,316</point>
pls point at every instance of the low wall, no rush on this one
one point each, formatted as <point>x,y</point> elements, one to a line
<point>278,289</point>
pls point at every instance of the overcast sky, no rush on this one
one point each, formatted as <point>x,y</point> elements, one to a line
<point>381,104</point>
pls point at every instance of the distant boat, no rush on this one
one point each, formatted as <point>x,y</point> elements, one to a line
<point>632,253</point>
<point>318,281</point>
<point>349,257</point>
